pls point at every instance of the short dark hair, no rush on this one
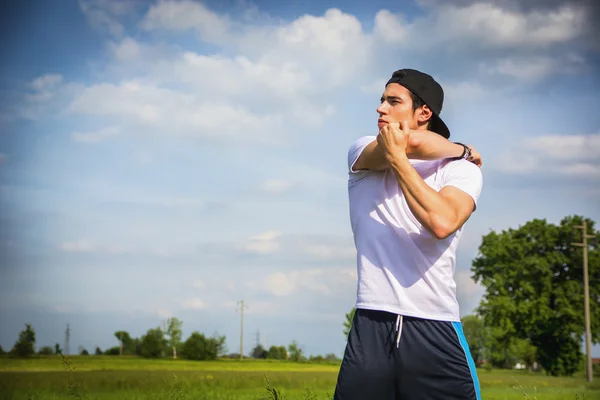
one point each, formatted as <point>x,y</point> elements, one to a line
<point>417,102</point>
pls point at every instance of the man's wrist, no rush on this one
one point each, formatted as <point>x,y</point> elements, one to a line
<point>462,150</point>
<point>398,160</point>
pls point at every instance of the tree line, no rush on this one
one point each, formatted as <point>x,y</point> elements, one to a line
<point>163,343</point>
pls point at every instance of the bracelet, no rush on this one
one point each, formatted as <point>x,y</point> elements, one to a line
<point>466,152</point>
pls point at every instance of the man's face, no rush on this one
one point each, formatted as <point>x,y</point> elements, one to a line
<point>397,106</point>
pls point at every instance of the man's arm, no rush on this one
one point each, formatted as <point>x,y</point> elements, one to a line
<point>423,145</point>
<point>443,212</point>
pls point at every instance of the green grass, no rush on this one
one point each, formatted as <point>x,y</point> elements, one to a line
<point>103,378</point>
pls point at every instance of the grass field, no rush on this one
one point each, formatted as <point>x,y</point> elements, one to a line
<point>122,378</point>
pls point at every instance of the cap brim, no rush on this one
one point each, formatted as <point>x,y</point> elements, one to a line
<point>438,126</point>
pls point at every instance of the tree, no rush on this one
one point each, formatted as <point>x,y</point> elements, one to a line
<point>199,347</point>
<point>25,345</point>
<point>46,351</point>
<point>534,289</point>
<point>259,352</point>
<point>2,352</point>
<point>126,343</point>
<point>57,349</point>
<point>348,321</point>
<point>153,343</point>
<point>477,337</point>
<point>174,332</point>
<point>98,351</point>
<point>295,352</point>
<point>277,353</point>
<point>113,351</point>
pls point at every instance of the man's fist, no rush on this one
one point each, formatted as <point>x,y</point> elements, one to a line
<point>393,139</point>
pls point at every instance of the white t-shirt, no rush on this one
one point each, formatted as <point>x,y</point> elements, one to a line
<point>402,268</point>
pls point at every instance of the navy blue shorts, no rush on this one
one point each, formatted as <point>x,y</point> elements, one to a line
<point>388,357</point>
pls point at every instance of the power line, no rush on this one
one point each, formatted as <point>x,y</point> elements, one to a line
<point>241,309</point>
<point>586,297</point>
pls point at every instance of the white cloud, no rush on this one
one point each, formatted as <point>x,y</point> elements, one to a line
<point>85,246</point>
<point>104,14</point>
<point>265,243</point>
<point>322,281</point>
<point>186,15</point>
<point>536,68</point>
<point>46,82</point>
<point>323,251</point>
<point>197,284</point>
<point>389,27</point>
<point>487,24</point>
<point>276,186</point>
<point>572,155</point>
<point>80,246</point>
<point>94,137</point>
<point>171,112</point>
<point>193,304</point>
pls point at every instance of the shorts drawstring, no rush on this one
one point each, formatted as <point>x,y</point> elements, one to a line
<point>398,329</point>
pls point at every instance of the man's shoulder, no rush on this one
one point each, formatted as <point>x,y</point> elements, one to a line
<point>361,142</point>
<point>461,167</point>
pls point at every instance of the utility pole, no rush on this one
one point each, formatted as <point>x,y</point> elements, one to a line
<point>586,295</point>
<point>241,303</point>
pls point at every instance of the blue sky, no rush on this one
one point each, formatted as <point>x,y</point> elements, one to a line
<point>171,158</point>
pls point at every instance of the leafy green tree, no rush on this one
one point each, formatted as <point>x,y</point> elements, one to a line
<point>113,351</point>
<point>127,345</point>
<point>2,352</point>
<point>524,352</point>
<point>199,347</point>
<point>477,335</point>
<point>57,349</point>
<point>174,332</point>
<point>259,352</point>
<point>46,351</point>
<point>153,343</point>
<point>25,345</point>
<point>98,351</point>
<point>295,352</point>
<point>277,353</point>
<point>348,321</point>
<point>534,289</point>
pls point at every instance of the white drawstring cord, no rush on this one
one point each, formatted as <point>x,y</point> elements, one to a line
<point>398,329</point>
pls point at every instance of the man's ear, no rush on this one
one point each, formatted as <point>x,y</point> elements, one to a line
<point>425,114</point>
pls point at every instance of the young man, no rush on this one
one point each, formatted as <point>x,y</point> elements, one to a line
<point>410,192</point>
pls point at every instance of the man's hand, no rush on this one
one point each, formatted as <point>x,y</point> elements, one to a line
<point>393,140</point>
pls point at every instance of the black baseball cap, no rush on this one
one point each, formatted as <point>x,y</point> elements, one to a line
<point>428,90</point>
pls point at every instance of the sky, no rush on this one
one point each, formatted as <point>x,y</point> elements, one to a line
<point>173,158</point>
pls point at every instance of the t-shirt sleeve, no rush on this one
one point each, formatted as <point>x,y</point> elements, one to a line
<point>465,176</point>
<point>356,149</point>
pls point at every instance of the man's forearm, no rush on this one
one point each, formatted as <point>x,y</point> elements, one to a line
<point>422,145</point>
<point>430,208</point>
<point>427,145</point>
